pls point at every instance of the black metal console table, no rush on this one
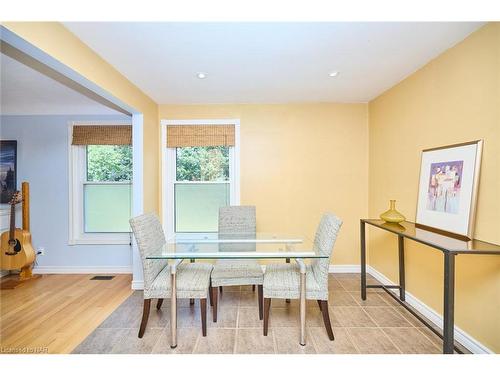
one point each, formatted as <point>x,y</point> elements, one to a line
<point>449,246</point>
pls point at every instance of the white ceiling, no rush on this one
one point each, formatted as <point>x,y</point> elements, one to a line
<point>25,91</point>
<point>268,62</point>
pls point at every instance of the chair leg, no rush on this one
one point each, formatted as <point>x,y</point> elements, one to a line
<point>319,304</point>
<point>253,288</point>
<point>260,295</point>
<point>211,295</point>
<point>326,320</point>
<point>159,303</point>
<point>267,307</point>
<point>145,316</point>
<point>220,289</point>
<point>203,308</point>
<point>215,298</point>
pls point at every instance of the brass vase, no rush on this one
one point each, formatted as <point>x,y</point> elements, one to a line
<point>391,215</point>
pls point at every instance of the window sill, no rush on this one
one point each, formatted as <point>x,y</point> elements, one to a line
<point>101,239</point>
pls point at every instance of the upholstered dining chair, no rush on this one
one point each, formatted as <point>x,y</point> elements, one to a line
<point>236,221</point>
<point>193,279</point>
<point>283,280</point>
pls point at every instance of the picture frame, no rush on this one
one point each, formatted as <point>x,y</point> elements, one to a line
<point>448,189</point>
<point>8,170</point>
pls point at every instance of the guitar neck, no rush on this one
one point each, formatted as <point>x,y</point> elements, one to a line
<point>12,228</point>
<point>26,205</point>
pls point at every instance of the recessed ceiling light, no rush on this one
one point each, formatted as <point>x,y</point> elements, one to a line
<point>201,75</point>
<point>333,74</point>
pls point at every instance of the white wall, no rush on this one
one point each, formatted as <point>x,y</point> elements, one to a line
<point>42,160</point>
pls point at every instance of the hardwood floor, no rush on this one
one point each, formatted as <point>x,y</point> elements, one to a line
<point>54,313</point>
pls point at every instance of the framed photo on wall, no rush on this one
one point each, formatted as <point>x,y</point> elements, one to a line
<point>448,186</point>
<point>8,169</point>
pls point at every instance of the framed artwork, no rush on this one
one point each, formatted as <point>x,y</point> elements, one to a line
<point>448,186</point>
<point>8,168</point>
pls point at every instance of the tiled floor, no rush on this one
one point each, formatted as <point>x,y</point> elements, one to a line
<point>377,325</point>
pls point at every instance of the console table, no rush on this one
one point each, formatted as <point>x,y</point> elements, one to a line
<point>449,246</point>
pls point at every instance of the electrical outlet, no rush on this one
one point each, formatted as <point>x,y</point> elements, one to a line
<point>40,251</point>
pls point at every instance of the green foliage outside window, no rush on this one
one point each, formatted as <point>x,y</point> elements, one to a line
<point>109,163</point>
<point>202,163</point>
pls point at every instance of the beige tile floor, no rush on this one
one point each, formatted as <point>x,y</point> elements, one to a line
<point>377,325</point>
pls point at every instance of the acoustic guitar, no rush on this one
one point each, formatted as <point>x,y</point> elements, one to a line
<point>16,249</point>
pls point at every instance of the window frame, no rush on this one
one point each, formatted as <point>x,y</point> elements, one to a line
<point>169,177</point>
<point>77,157</point>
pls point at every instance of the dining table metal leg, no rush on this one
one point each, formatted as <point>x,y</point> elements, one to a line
<point>173,303</point>
<point>302,266</point>
<point>302,309</point>
<point>173,312</point>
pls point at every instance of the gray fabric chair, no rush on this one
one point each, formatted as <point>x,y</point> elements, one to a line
<point>193,279</point>
<point>283,280</point>
<point>237,221</point>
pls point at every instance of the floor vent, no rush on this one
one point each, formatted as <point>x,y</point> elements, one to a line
<point>102,278</point>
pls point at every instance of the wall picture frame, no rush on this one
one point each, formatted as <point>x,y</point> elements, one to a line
<point>8,170</point>
<point>448,189</point>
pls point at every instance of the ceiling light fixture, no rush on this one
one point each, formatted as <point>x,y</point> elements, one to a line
<point>201,75</point>
<point>333,74</point>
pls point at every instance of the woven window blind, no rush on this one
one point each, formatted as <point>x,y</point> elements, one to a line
<point>102,135</point>
<point>200,135</point>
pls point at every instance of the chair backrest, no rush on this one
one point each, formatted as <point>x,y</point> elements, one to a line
<point>150,239</point>
<point>237,221</point>
<point>324,241</point>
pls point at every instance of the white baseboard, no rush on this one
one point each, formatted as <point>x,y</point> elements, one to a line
<point>137,284</point>
<point>463,338</point>
<point>344,268</point>
<point>82,269</point>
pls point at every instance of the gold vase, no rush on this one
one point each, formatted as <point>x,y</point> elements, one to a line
<point>391,215</point>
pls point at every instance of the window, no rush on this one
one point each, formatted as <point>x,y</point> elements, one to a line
<point>198,179</point>
<point>107,192</point>
<point>201,187</point>
<point>100,194</point>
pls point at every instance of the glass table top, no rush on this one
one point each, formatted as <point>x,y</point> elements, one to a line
<point>235,246</point>
<point>440,241</point>
<point>242,237</point>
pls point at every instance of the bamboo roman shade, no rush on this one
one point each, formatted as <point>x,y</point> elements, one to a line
<point>200,135</point>
<point>102,135</point>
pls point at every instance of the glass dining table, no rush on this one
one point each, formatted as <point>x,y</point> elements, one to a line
<point>235,246</point>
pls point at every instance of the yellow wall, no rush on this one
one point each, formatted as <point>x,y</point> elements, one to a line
<point>54,39</point>
<point>454,98</point>
<point>298,161</point>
